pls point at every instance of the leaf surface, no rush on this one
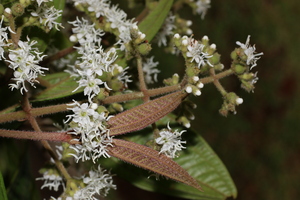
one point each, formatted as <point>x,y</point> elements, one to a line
<point>145,114</point>
<point>153,22</point>
<point>57,85</point>
<point>150,159</point>
<point>198,159</point>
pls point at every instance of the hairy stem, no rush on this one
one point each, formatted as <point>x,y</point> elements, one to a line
<point>34,124</point>
<point>216,82</point>
<point>34,135</point>
<point>143,86</point>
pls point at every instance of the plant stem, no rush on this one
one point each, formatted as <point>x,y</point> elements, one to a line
<point>34,124</point>
<point>143,86</point>
<point>34,135</point>
<point>216,82</point>
<point>21,115</point>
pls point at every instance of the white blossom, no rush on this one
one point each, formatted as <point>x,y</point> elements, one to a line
<point>48,16</point>
<point>123,76</point>
<point>89,126</point>
<point>39,2</point>
<point>201,7</point>
<point>52,180</point>
<point>170,141</point>
<point>24,61</point>
<point>96,6</point>
<point>166,30</point>
<point>86,32</point>
<point>3,38</point>
<point>98,182</point>
<point>149,68</point>
<point>196,52</point>
<point>250,52</point>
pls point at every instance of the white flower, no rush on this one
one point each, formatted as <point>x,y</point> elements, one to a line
<point>48,16</point>
<point>96,6</point>
<point>167,29</point>
<point>201,7</point>
<point>52,180</point>
<point>249,52</point>
<point>93,62</point>
<point>89,126</point>
<point>149,68</point>
<point>170,141</point>
<point>98,182</point>
<point>86,32</point>
<point>42,1</point>
<point>3,38</point>
<point>195,51</point>
<point>24,61</point>
<point>122,76</point>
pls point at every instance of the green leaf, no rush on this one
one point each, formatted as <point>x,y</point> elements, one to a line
<point>153,22</point>
<point>2,188</point>
<point>57,85</point>
<point>198,159</point>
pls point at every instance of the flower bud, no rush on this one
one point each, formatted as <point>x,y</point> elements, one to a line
<point>238,69</point>
<point>144,48</point>
<point>118,107</point>
<point>17,9</point>
<point>184,121</point>
<point>215,59</point>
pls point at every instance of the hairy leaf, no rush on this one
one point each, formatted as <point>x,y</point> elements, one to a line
<point>57,85</point>
<point>153,22</point>
<point>200,161</point>
<point>150,159</point>
<point>145,114</point>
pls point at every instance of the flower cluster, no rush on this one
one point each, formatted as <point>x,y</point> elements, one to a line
<point>250,52</point>
<point>201,7</point>
<point>116,17</point>
<point>166,30</point>
<point>3,38</point>
<point>47,15</point>
<point>52,179</point>
<point>196,51</point>
<point>149,68</point>
<point>89,126</point>
<point>24,61</point>
<point>170,142</point>
<point>97,183</point>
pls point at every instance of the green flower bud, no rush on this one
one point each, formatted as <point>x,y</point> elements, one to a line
<point>25,3</point>
<point>234,54</point>
<point>144,48</point>
<point>118,107</point>
<point>17,9</point>
<point>116,85</point>
<point>184,121</point>
<point>215,59</point>
<point>219,67</point>
<point>102,94</point>
<point>238,69</point>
